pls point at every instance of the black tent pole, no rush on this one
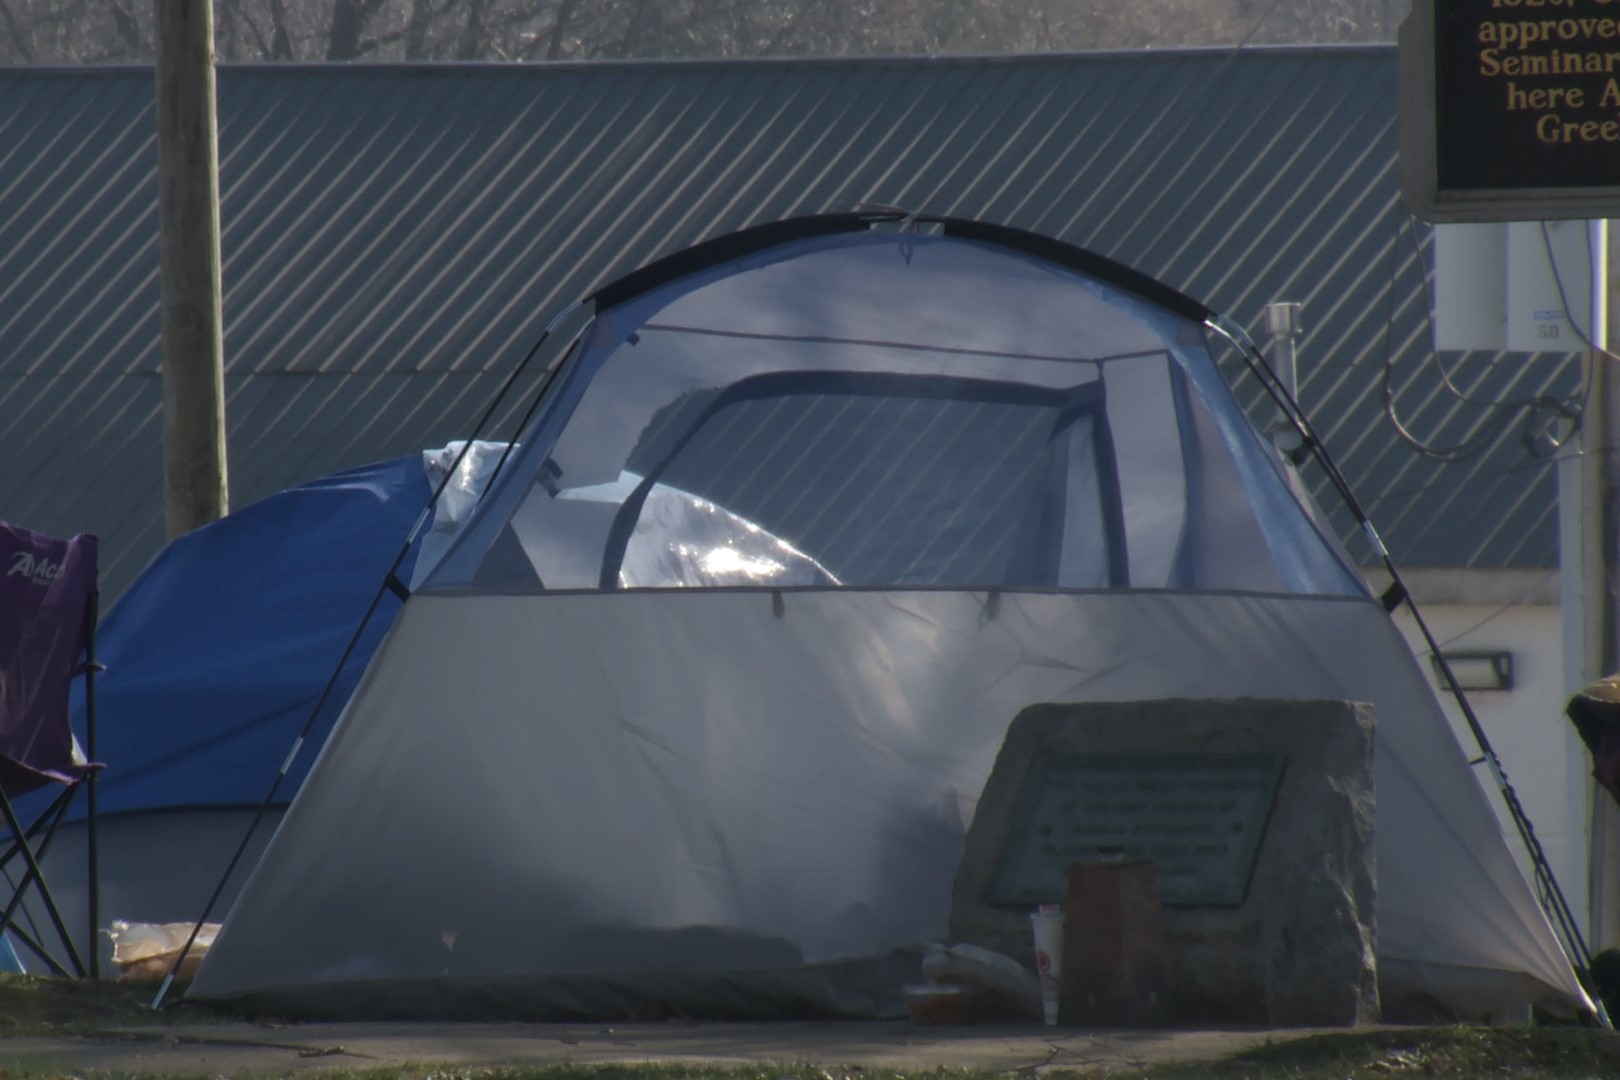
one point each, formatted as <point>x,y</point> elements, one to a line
<point>92,943</point>
<point>1554,904</point>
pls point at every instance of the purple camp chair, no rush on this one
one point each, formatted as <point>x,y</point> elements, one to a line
<point>47,639</point>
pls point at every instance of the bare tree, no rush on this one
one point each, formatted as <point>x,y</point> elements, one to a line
<point>1324,21</point>
<point>18,38</point>
<point>346,38</point>
<point>97,31</point>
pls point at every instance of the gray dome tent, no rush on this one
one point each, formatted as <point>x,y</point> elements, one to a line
<point>697,706</point>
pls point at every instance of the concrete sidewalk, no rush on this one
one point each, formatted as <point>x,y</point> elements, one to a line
<point>212,1050</point>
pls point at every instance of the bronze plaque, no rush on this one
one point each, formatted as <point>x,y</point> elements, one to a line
<point>1199,817</point>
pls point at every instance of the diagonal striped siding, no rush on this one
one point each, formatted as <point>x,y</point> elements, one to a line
<point>395,236</point>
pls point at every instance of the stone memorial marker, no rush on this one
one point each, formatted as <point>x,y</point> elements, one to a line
<point>1257,816</point>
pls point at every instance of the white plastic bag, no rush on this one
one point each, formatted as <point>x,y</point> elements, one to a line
<point>144,952</point>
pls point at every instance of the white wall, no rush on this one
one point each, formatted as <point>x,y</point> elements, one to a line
<point>1540,752</point>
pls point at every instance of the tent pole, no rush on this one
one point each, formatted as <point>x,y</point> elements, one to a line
<point>548,378</point>
<point>1555,905</point>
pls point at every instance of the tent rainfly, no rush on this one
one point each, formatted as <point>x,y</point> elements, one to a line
<point>695,708</point>
<point>218,651</point>
<point>215,657</point>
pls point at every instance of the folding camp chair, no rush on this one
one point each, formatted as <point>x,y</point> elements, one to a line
<point>47,627</point>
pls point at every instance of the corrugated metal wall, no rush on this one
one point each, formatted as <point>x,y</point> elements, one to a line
<point>394,237</point>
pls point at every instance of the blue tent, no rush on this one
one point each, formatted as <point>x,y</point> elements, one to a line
<point>218,652</point>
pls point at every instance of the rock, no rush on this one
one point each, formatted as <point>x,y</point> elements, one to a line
<point>1298,949</point>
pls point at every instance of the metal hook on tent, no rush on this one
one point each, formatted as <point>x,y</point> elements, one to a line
<point>992,606</point>
<point>907,227</point>
<point>1240,340</point>
<point>875,212</point>
<point>905,222</point>
<point>778,603</point>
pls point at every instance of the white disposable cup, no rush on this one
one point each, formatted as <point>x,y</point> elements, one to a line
<point>1048,926</point>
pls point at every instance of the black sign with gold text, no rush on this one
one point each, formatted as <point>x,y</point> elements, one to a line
<point>1527,94</point>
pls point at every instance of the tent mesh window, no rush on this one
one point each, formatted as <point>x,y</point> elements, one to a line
<point>722,430</point>
<point>878,481</point>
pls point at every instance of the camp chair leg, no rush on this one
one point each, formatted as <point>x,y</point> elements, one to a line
<point>44,818</point>
<point>91,843</point>
<point>53,635</point>
<point>38,875</point>
<point>92,883</point>
<point>8,923</point>
<point>23,914</point>
<point>27,939</point>
<point>19,890</point>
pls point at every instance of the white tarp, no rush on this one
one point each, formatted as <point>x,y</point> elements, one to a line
<point>791,774</point>
<point>1023,481</point>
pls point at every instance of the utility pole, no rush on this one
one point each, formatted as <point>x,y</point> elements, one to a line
<point>193,344</point>
<point>1600,452</point>
<point>1599,602</point>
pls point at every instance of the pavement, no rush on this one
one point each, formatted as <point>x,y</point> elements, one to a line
<point>237,1049</point>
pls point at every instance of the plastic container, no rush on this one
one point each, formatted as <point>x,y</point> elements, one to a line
<point>940,1005</point>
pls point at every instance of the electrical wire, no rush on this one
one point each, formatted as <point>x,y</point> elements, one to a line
<point>1544,408</point>
<point>1409,221</point>
<point>1517,601</point>
<point>1563,297</point>
<point>1469,447</point>
<point>1537,410</point>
